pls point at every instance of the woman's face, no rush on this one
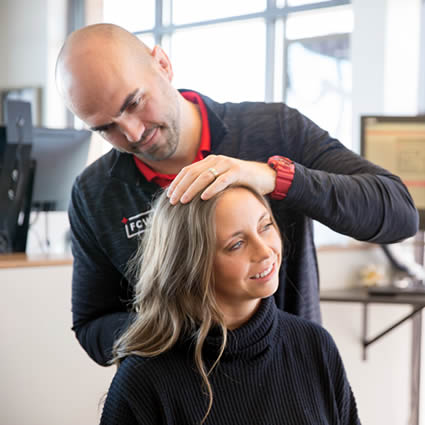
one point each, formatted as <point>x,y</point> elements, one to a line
<point>248,255</point>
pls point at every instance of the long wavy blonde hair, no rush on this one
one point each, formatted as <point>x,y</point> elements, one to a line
<point>174,291</point>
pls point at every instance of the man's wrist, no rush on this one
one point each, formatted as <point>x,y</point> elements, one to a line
<point>285,170</point>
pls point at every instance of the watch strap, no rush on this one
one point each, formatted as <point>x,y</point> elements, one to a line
<point>285,170</point>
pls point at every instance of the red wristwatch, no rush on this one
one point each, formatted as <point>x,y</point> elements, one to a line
<point>285,170</point>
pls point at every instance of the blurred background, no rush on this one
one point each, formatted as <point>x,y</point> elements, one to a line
<point>333,60</point>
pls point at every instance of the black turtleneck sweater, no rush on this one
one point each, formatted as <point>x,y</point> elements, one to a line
<point>276,369</point>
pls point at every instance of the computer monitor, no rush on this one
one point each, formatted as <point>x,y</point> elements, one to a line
<point>397,143</point>
<point>16,176</point>
<point>38,176</point>
<point>60,155</point>
<point>37,169</point>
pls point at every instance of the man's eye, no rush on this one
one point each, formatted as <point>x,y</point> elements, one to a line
<point>134,104</point>
<point>106,129</point>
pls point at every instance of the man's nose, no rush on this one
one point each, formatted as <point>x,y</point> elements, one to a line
<point>132,128</point>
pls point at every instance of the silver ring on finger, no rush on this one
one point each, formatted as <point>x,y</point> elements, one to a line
<point>213,171</point>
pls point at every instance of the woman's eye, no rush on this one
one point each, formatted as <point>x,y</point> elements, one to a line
<point>267,226</point>
<point>236,246</point>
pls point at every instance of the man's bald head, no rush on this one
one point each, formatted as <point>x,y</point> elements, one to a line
<point>122,89</point>
<point>93,55</point>
<point>92,36</point>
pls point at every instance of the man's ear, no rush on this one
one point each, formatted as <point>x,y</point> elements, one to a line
<point>163,61</point>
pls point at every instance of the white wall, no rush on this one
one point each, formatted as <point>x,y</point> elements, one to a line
<point>402,46</point>
<point>368,59</point>
<point>31,32</point>
<point>23,42</point>
<point>56,32</point>
<point>46,377</point>
<point>385,57</point>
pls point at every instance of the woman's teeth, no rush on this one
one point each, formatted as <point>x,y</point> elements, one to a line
<point>264,273</point>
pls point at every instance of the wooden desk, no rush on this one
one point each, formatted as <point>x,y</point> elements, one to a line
<point>8,261</point>
<point>417,302</point>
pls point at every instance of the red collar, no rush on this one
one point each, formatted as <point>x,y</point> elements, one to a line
<point>204,147</point>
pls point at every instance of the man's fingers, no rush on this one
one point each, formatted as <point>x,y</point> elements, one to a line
<point>192,182</point>
<point>224,180</point>
<point>206,179</point>
<point>215,173</point>
<point>188,174</point>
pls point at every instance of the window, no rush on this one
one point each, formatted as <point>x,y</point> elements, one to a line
<point>133,15</point>
<point>318,75</point>
<point>297,51</point>
<point>302,2</point>
<point>225,61</point>
<point>188,11</point>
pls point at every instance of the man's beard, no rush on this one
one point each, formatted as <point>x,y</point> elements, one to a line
<point>161,150</point>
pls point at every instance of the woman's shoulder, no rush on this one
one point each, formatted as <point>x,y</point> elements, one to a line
<point>141,365</point>
<point>147,369</point>
<point>133,368</point>
<point>300,331</point>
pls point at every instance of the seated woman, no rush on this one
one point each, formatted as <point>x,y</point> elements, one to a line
<point>207,344</point>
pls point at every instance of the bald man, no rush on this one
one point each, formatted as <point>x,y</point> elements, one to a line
<point>186,142</point>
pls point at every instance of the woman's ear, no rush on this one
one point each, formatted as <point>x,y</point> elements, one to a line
<point>163,61</point>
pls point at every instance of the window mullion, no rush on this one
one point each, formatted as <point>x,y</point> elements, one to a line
<point>270,51</point>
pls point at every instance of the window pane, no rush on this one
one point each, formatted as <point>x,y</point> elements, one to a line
<point>302,2</point>
<point>148,39</point>
<point>226,62</point>
<point>317,23</point>
<point>185,11</point>
<point>133,15</point>
<point>319,83</point>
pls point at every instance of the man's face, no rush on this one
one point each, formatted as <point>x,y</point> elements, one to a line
<point>132,105</point>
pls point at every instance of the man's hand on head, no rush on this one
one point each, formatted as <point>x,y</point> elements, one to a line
<point>215,173</point>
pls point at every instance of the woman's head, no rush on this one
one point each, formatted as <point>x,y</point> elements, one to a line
<point>224,252</point>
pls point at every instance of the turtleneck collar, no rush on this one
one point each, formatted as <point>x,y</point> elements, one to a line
<point>250,339</point>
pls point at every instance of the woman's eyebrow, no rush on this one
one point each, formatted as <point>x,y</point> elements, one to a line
<point>240,232</point>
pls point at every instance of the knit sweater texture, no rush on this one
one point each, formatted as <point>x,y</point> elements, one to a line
<point>276,369</point>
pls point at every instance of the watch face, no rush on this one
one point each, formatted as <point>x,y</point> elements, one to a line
<point>274,160</point>
<point>273,163</point>
<point>277,159</point>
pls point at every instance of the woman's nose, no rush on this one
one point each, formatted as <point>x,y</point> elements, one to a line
<point>262,251</point>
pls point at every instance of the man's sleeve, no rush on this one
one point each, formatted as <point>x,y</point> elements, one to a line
<point>343,190</point>
<point>98,301</point>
